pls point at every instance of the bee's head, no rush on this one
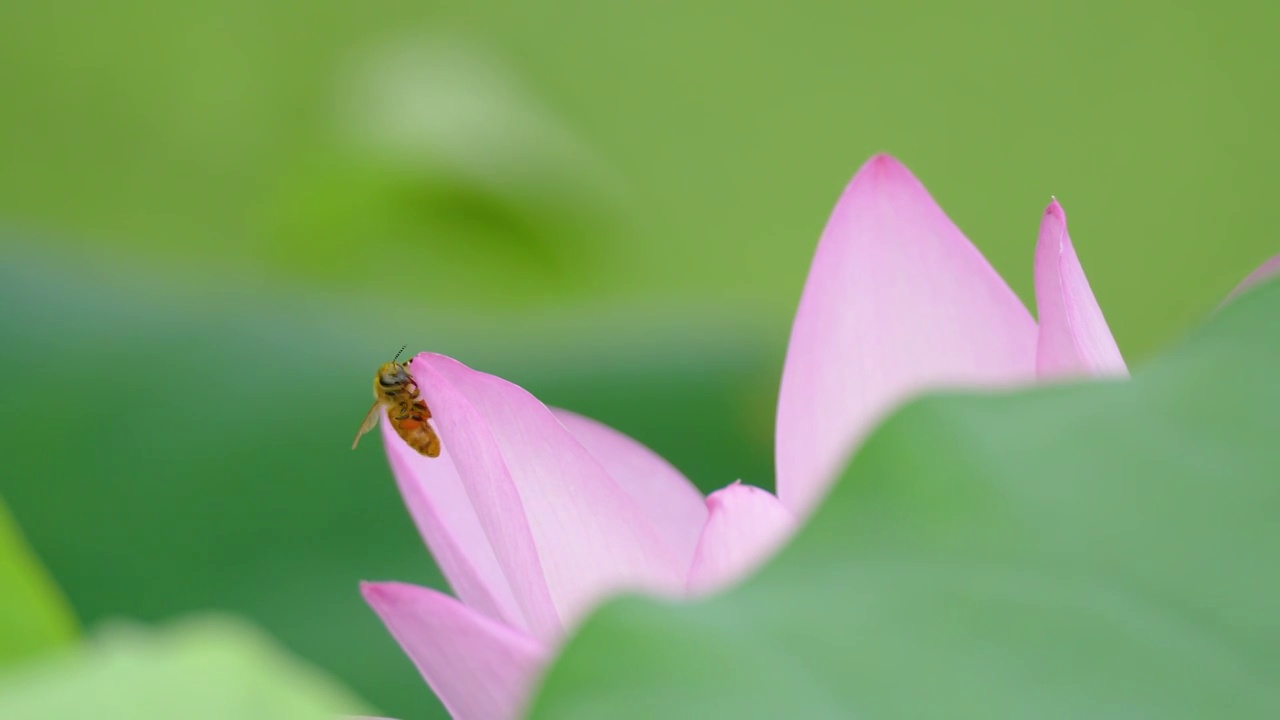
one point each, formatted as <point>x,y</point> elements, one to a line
<point>392,374</point>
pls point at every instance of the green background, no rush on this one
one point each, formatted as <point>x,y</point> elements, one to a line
<point>216,219</point>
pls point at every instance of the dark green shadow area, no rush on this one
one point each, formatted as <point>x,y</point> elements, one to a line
<point>1099,550</point>
<point>169,452</point>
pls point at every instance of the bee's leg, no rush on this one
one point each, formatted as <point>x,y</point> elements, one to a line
<point>418,403</point>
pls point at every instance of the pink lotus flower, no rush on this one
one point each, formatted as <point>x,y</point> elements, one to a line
<point>535,514</point>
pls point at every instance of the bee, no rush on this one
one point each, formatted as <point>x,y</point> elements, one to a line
<point>395,392</point>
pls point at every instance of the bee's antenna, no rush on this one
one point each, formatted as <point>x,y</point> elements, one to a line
<point>397,357</point>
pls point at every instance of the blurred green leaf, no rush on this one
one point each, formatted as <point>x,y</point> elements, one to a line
<point>224,141</point>
<point>1094,550</point>
<point>209,667</point>
<point>442,156</point>
<point>34,617</point>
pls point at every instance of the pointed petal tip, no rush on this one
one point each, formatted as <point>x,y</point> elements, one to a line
<point>1073,339</point>
<point>745,524</point>
<point>727,494</point>
<point>884,161</point>
<point>430,360</point>
<point>1053,240</point>
<point>375,592</point>
<point>880,168</point>
<point>1055,211</point>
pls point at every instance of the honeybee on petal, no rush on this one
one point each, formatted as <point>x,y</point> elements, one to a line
<point>395,392</point>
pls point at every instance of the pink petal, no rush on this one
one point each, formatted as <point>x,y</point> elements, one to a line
<point>744,526</point>
<point>479,668</point>
<point>451,528</point>
<point>1074,338</point>
<point>1266,271</point>
<point>898,301</point>
<point>563,531</point>
<point>672,503</point>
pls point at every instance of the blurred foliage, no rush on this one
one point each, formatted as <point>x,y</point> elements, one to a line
<point>1099,550</point>
<point>546,151</point>
<point>205,668</point>
<point>34,617</point>
<point>217,218</point>
<point>227,139</point>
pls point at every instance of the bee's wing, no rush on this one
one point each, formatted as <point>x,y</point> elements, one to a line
<point>369,421</point>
